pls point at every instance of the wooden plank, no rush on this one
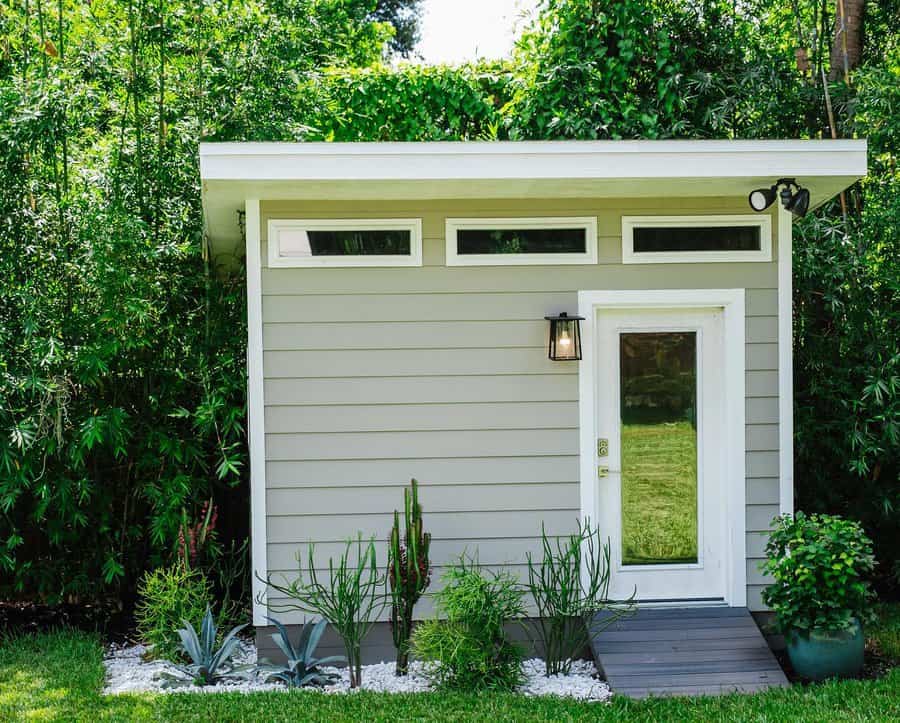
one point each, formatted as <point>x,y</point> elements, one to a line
<point>662,613</point>
<point>422,417</point>
<point>731,677</point>
<point>663,635</point>
<point>417,307</point>
<point>412,445</point>
<point>446,470</point>
<point>325,363</point>
<point>700,666</point>
<point>422,390</point>
<point>710,622</point>
<point>698,644</point>
<point>631,659</point>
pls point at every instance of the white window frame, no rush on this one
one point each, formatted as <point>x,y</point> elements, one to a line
<point>762,221</point>
<point>588,223</point>
<point>413,225</point>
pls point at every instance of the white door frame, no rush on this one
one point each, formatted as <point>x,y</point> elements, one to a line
<point>731,302</point>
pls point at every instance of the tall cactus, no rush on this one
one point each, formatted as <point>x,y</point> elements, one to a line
<point>409,572</point>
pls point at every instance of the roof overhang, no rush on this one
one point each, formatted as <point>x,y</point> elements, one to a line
<point>233,172</point>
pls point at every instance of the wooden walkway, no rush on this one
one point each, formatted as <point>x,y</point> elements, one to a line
<point>686,651</point>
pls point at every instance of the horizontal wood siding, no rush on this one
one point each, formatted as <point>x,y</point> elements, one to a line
<point>374,376</point>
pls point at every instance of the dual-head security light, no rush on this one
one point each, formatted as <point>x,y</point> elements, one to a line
<point>793,197</point>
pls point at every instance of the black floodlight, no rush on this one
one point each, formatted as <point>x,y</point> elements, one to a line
<point>762,198</point>
<point>794,198</point>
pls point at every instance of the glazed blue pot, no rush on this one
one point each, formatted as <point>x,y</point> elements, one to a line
<point>822,654</point>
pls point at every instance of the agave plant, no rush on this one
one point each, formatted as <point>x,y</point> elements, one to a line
<point>302,668</point>
<point>208,665</point>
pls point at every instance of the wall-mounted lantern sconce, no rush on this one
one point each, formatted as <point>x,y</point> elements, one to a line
<point>565,337</point>
<point>797,201</point>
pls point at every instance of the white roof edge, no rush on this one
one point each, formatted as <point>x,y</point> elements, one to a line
<point>531,159</point>
<point>264,148</point>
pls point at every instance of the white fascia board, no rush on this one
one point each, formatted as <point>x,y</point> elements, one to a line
<point>531,160</point>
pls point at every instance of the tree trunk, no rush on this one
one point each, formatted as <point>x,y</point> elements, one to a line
<point>846,47</point>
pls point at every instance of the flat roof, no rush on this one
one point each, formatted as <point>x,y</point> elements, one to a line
<point>232,172</point>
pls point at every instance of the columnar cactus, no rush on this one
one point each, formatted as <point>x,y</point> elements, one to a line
<point>409,572</point>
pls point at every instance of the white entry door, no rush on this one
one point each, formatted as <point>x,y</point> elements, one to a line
<point>660,451</point>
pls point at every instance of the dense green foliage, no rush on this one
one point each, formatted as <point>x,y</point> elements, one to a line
<point>470,647</point>
<point>122,346</point>
<point>819,566</point>
<point>122,369</point>
<point>58,677</point>
<point>167,597</point>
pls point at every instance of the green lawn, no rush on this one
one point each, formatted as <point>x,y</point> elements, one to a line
<point>58,677</point>
<point>659,493</point>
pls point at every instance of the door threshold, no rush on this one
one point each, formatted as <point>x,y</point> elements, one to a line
<point>687,603</point>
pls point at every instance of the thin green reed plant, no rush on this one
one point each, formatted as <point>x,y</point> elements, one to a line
<point>570,587</point>
<point>348,597</point>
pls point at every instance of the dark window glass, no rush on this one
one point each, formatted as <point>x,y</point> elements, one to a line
<point>696,238</point>
<point>521,241</point>
<point>359,243</point>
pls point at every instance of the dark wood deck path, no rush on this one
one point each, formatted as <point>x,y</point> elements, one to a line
<point>686,651</point>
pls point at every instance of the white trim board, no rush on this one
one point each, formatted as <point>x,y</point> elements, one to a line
<point>761,221</point>
<point>533,159</point>
<point>588,256</point>
<point>785,363</point>
<point>277,225</point>
<point>732,303</point>
<point>256,413</point>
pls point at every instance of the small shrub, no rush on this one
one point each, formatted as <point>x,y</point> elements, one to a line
<point>208,665</point>
<point>348,598</point>
<point>168,597</point>
<point>409,572</point>
<point>570,586</point>
<point>819,564</point>
<point>471,648</point>
<point>303,668</point>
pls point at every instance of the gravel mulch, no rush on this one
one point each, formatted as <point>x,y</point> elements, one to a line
<point>127,671</point>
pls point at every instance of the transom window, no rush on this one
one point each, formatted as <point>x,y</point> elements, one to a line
<point>510,241</point>
<point>345,242</point>
<point>682,239</point>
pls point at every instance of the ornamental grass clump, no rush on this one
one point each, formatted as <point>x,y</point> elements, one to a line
<point>819,565</point>
<point>349,597</point>
<point>570,587</point>
<point>409,572</point>
<point>471,649</point>
<point>169,596</point>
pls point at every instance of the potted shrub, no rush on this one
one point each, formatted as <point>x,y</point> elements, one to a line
<point>820,595</point>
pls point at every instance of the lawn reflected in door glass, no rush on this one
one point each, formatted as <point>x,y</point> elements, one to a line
<point>658,406</point>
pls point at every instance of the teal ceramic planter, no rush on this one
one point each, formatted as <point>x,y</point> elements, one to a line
<point>827,653</point>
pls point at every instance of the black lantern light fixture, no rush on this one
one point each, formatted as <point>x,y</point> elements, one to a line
<point>796,201</point>
<point>565,337</point>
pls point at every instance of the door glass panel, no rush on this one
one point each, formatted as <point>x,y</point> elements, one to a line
<point>658,406</point>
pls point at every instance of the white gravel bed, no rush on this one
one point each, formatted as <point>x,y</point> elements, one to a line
<point>128,672</point>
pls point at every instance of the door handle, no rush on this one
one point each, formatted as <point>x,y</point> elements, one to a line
<point>604,471</point>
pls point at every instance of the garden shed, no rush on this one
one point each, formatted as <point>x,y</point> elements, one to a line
<point>536,331</point>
